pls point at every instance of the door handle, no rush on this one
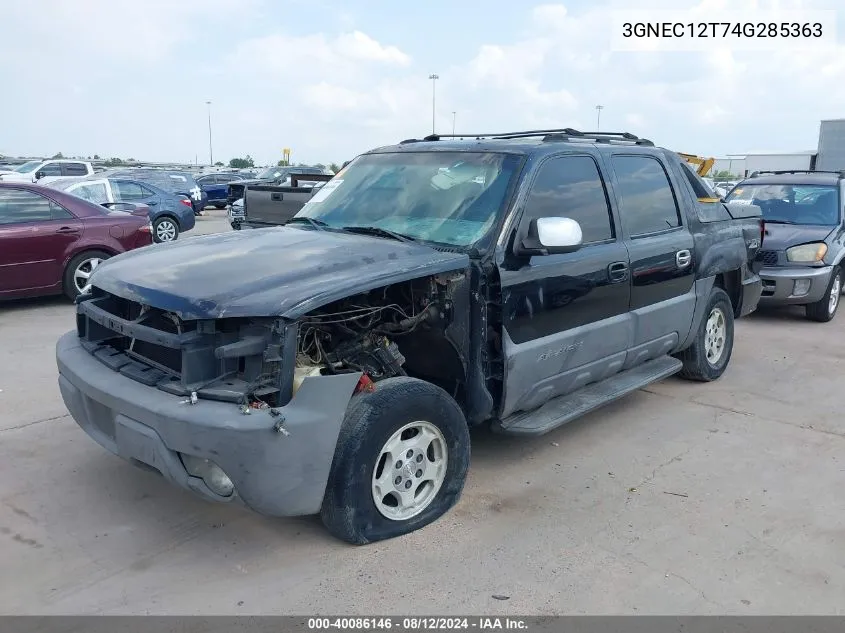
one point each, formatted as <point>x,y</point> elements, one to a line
<point>683,258</point>
<point>617,271</point>
<point>67,229</point>
<point>276,197</point>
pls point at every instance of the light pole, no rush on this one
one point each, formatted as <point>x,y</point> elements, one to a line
<point>599,108</point>
<point>454,114</point>
<point>434,79</point>
<point>210,152</point>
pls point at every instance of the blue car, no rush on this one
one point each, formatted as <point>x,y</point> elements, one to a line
<point>217,187</point>
<point>170,214</point>
<point>173,181</point>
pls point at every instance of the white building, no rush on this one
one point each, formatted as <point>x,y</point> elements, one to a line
<point>744,164</point>
<point>831,155</point>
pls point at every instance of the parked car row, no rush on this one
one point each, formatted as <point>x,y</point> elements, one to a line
<point>170,213</point>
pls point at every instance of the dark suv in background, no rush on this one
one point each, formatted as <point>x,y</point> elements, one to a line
<point>803,242</point>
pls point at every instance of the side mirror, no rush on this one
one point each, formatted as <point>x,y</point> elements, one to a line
<point>39,175</point>
<point>551,236</point>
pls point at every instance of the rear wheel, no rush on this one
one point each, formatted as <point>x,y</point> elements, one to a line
<point>79,271</point>
<point>165,229</point>
<point>400,462</point>
<point>825,308</point>
<point>708,357</point>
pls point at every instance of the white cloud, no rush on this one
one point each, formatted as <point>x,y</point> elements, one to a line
<point>362,47</point>
<point>340,87</point>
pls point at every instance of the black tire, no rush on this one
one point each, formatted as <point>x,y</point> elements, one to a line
<point>820,310</point>
<point>220,206</point>
<point>68,279</point>
<point>164,221</point>
<point>696,364</point>
<point>349,510</point>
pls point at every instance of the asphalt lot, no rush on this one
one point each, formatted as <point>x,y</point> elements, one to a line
<point>683,498</point>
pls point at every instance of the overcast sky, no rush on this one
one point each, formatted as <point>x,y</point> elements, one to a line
<point>333,78</point>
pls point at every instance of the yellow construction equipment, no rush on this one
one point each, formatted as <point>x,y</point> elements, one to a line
<point>704,164</point>
<point>703,167</point>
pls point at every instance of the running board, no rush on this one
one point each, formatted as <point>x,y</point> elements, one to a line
<point>558,411</point>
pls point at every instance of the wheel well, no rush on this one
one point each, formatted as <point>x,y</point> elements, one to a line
<point>169,216</point>
<point>731,283</point>
<point>90,249</point>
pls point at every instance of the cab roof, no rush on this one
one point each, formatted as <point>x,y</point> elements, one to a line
<point>527,142</point>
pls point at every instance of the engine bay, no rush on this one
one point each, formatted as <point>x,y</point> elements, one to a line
<point>365,333</point>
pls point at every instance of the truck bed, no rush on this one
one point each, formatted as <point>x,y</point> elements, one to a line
<point>274,205</point>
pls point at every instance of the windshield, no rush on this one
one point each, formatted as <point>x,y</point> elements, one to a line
<point>791,204</point>
<point>26,167</point>
<point>273,172</point>
<point>447,197</point>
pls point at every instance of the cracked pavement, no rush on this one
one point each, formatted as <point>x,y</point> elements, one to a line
<point>683,498</point>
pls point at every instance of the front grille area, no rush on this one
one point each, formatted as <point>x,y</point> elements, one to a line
<point>222,359</point>
<point>769,258</point>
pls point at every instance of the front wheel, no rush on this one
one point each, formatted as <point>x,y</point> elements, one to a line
<point>400,462</point>
<point>708,357</point>
<point>165,229</point>
<point>825,308</point>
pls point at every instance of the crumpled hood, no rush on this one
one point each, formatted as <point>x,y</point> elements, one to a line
<point>282,271</point>
<point>779,237</point>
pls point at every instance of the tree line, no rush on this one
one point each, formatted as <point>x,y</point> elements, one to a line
<point>247,161</point>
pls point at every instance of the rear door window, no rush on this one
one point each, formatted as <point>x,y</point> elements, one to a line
<point>127,191</point>
<point>74,169</point>
<point>646,198</point>
<point>95,192</point>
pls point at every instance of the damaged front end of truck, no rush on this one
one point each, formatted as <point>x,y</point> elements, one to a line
<point>250,407</point>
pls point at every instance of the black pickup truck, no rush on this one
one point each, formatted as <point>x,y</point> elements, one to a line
<point>334,365</point>
<point>268,204</point>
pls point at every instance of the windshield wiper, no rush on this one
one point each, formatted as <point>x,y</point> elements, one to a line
<point>375,230</point>
<point>779,221</point>
<point>317,224</point>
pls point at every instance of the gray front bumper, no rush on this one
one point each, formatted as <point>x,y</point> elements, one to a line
<point>273,473</point>
<point>778,284</point>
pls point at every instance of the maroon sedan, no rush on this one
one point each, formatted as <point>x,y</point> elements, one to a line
<point>51,241</point>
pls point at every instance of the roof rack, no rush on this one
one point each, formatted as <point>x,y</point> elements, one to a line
<point>551,135</point>
<point>754,174</point>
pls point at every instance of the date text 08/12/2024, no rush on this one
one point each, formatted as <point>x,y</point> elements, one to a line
<point>418,623</point>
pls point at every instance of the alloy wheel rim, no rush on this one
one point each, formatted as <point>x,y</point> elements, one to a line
<point>715,336</point>
<point>409,471</point>
<point>166,231</point>
<point>83,272</point>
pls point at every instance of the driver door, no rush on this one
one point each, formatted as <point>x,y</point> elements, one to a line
<point>566,320</point>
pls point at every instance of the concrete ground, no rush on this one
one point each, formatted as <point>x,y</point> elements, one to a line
<point>683,499</point>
